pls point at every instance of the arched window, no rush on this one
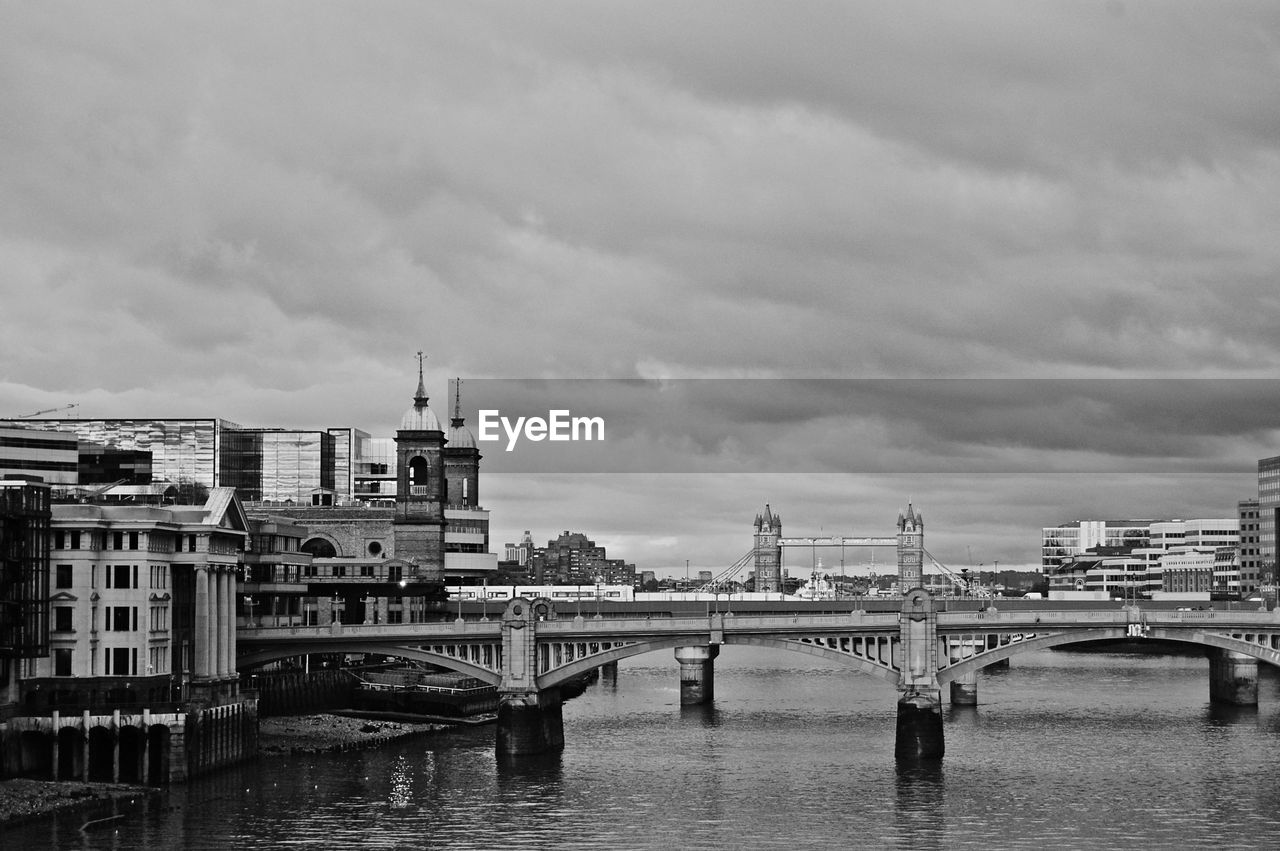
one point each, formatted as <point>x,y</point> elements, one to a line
<point>320,548</point>
<point>418,471</point>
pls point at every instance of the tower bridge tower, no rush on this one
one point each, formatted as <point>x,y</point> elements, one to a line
<point>768,551</point>
<point>910,549</point>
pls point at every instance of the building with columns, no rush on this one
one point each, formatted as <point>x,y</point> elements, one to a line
<point>142,606</point>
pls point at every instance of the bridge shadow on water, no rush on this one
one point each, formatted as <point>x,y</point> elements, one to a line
<point>1227,715</point>
<point>531,771</point>
<point>920,804</point>
<point>707,713</point>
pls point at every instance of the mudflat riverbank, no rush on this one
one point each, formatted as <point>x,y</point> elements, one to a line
<point>325,732</point>
<point>23,799</point>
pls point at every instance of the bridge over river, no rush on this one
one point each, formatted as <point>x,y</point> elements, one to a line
<point>531,649</point>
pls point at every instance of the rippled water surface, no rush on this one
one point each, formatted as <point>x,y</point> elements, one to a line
<point>1065,751</point>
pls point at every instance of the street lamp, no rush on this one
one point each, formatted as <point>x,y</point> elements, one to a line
<point>249,604</point>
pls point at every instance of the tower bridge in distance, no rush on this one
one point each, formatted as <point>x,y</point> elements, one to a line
<point>532,648</point>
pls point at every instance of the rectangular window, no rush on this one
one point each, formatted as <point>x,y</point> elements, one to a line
<point>119,619</point>
<point>62,662</point>
<point>133,540</point>
<point>117,540</point>
<point>121,572</point>
<point>59,540</point>
<point>135,576</point>
<point>62,618</point>
<point>191,543</point>
<point>395,616</point>
<point>75,540</point>
<point>120,661</point>
<point>340,571</point>
<point>62,578</point>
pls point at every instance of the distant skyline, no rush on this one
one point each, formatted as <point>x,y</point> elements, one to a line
<point>261,212</point>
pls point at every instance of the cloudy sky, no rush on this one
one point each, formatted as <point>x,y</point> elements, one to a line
<point>261,211</point>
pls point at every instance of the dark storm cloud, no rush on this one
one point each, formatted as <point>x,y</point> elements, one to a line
<point>892,426</point>
<point>261,211</point>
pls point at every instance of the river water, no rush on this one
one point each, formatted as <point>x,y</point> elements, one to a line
<point>1065,750</point>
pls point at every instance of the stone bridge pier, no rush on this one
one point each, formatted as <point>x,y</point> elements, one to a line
<point>530,719</point>
<point>919,734</point>
<point>1233,678</point>
<point>697,673</point>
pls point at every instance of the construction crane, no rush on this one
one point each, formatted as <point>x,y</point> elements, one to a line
<point>47,411</point>
<point>962,578</point>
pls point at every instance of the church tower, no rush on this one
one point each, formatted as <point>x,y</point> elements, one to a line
<point>420,483</point>
<point>768,551</point>
<point>910,549</point>
<point>461,458</point>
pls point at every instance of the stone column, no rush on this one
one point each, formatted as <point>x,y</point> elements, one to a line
<point>218,609</point>
<point>231,630</point>
<point>1233,678</point>
<point>697,673</point>
<point>228,622</point>
<point>919,726</point>
<point>57,728</point>
<point>964,690</point>
<point>202,649</point>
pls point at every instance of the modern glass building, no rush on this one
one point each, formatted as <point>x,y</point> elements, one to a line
<point>183,451</point>
<point>1268,510</point>
<point>32,452</point>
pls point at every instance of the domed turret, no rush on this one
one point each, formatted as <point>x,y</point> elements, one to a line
<point>419,417</point>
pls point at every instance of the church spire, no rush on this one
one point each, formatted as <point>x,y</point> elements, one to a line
<point>458,420</point>
<point>420,398</point>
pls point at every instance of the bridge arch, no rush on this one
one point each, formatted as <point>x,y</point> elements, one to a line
<point>247,661</point>
<point>581,666</point>
<point>1041,642</point>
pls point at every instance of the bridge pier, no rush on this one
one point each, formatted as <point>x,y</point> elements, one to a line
<point>697,673</point>
<point>964,690</point>
<point>531,723</point>
<point>919,726</point>
<point>1233,678</point>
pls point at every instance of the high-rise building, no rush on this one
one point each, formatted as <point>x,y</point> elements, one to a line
<point>574,559</point>
<point>1249,562</point>
<point>1268,516</point>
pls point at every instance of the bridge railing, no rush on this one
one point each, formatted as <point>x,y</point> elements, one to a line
<point>1031,618</point>
<point>488,629</point>
<point>1225,618</point>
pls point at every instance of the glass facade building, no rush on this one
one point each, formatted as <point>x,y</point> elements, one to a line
<point>185,452</point>
<point>1268,509</point>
